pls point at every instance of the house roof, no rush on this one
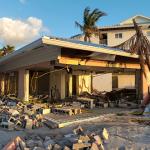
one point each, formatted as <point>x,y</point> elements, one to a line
<point>81,45</point>
<point>128,23</point>
<point>139,19</point>
<point>68,43</point>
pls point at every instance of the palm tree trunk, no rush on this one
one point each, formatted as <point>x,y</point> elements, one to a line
<point>89,39</point>
<point>85,38</point>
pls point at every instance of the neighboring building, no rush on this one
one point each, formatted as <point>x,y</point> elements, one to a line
<point>117,34</point>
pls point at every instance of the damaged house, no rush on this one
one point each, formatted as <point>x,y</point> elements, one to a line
<point>62,68</point>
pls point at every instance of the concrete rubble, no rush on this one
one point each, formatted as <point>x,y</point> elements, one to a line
<point>15,115</point>
<point>78,139</point>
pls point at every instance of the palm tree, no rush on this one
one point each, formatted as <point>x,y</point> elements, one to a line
<point>6,50</point>
<point>90,19</point>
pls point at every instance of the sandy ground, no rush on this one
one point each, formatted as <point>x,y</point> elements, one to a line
<point>123,133</point>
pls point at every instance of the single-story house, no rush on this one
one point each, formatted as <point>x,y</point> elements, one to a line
<point>65,67</point>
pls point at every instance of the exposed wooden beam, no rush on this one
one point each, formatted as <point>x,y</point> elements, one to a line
<point>77,61</point>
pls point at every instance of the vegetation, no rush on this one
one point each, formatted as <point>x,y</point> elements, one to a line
<point>6,50</point>
<point>90,18</point>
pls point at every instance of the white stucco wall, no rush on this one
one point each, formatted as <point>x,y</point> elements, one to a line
<point>126,81</point>
<point>57,84</point>
<point>102,82</point>
<point>126,34</point>
<point>111,40</point>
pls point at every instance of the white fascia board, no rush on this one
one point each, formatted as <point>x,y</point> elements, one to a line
<point>21,51</point>
<point>101,49</point>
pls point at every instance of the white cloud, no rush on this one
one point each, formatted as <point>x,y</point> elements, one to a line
<point>19,32</point>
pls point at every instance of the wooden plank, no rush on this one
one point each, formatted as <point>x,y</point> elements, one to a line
<point>96,63</point>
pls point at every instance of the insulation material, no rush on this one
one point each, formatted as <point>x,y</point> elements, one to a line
<point>84,84</point>
<point>102,82</point>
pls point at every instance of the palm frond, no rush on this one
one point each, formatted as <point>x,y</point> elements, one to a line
<point>90,19</point>
<point>86,14</point>
<point>95,16</point>
<point>79,26</point>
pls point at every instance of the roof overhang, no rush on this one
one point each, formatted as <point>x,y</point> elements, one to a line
<point>65,43</point>
<point>79,45</point>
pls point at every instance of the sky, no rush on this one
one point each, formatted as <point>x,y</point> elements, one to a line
<point>23,21</point>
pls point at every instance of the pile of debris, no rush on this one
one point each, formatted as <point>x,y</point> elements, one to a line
<point>16,115</point>
<point>116,98</point>
<point>79,139</point>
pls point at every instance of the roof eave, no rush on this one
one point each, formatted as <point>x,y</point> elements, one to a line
<point>67,44</point>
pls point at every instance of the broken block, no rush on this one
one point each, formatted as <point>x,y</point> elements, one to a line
<point>78,146</point>
<point>98,140</point>
<point>13,112</point>
<point>78,130</point>
<point>83,139</point>
<point>29,124</point>
<point>105,134</point>
<point>94,146</point>
<point>45,111</point>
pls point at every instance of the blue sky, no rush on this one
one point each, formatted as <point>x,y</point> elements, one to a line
<point>58,16</point>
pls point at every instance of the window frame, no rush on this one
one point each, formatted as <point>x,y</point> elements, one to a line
<point>118,35</point>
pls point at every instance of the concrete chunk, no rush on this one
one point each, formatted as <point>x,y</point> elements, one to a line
<point>83,139</point>
<point>78,146</point>
<point>98,139</point>
<point>105,134</point>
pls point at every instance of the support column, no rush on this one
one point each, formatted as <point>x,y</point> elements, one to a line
<point>63,85</point>
<point>2,82</point>
<point>70,85</point>
<point>23,85</point>
<point>139,84</point>
<point>146,82</point>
